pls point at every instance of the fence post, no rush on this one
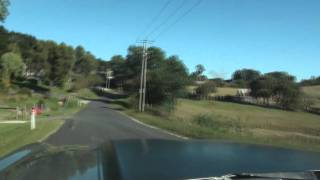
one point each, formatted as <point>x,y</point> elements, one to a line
<point>17,111</point>
<point>33,119</point>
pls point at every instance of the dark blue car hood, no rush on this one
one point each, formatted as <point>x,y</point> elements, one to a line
<point>152,159</point>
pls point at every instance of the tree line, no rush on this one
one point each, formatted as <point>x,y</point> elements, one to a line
<point>48,62</point>
<point>313,81</point>
<point>277,87</point>
<point>166,78</point>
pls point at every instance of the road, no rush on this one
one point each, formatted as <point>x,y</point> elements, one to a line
<point>98,123</point>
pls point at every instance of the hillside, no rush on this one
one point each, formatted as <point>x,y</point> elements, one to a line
<point>314,93</point>
<point>240,123</point>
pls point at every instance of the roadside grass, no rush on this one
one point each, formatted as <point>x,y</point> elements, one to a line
<point>239,123</point>
<point>250,115</point>
<point>86,93</point>
<point>314,93</point>
<point>8,103</point>
<point>14,136</point>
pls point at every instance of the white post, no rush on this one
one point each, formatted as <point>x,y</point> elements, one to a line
<point>33,119</point>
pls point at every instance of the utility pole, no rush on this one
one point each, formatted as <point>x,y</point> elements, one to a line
<point>143,78</point>
<point>109,76</point>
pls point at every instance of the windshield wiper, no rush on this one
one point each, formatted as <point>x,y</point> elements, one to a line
<point>307,175</point>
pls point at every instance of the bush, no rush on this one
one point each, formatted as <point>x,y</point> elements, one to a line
<point>278,86</point>
<point>71,103</point>
<point>52,104</point>
<point>205,89</point>
<point>163,110</point>
<point>41,103</point>
<point>33,82</point>
<point>89,81</point>
<point>205,120</point>
<point>25,91</point>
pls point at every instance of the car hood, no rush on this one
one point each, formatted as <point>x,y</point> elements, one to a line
<point>152,159</point>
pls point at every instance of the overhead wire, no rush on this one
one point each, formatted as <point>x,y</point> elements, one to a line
<point>179,18</point>
<point>177,9</point>
<point>155,18</point>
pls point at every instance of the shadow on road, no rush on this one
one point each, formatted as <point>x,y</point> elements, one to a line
<point>110,95</point>
<point>114,101</point>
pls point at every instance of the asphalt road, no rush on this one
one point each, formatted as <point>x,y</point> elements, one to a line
<point>98,123</point>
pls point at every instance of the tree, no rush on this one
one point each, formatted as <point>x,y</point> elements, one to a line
<point>200,69</point>
<point>4,40</point>
<point>117,65</point>
<point>48,61</point>
<point>85,62</point>
<point>287,94</point>
<point>197,75</point>
<point>4,9</point>
<point>262,88</point>
<point>166,77</point>
<point>313,81</point>
<point>280,86</point>
<point>167,82</point>
<point>60,57</point>
<point>11,66</point>
<point>79,82</point>
<point>244,77</point>
<point>205,89</point>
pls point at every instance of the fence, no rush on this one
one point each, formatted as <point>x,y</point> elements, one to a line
<point>15,113</point>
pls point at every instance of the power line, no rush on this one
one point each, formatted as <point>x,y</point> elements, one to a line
<point>179,19</point>
<point>167,19</point>
<point>154,19</point>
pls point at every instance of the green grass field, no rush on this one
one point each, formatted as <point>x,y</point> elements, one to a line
<point>314,93</point>
<point>240,123</point>
<point>14,136</point>
<point>224,91</point>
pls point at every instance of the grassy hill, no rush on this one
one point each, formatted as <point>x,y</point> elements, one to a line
<point>314,93</point>
<point>240,123</point>
<point>224,91</point>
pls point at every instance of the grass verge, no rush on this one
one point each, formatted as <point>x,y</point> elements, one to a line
<point>14,136</point>
<point>314,93</point>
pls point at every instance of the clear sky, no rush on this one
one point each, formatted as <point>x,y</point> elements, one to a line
<point>223,35</point>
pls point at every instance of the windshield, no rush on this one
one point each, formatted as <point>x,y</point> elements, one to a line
<point>203,81</point>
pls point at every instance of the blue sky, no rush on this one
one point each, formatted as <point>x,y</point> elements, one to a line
<point>223,35</point>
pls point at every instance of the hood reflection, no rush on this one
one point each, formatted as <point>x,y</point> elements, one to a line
<point>158,159</point>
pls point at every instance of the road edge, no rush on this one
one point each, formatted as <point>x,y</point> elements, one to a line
<point>153,127</point>
<point>53,131</point>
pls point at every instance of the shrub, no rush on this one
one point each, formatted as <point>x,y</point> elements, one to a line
<point>163,110</point>
<point>205,120</point>
<point>41,103</point>
<point>89,81</point>
<point>25,91</point>
<point>205,89</point>
<point>71,103</point>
